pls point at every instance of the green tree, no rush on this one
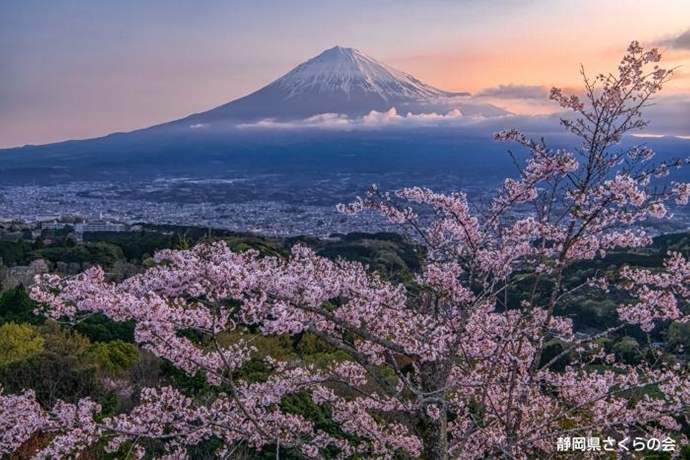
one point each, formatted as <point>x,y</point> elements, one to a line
<point>678,335</point>
<point>179,241</point>
<point>628,350</point>
<point>18,342</point>
<point>14,252</point>
<point>17,306</point>
<point>38,243</point>
<point>62,370</point>
<point>98,253</point>
<point>114,357</point>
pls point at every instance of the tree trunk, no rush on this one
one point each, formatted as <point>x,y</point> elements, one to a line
<point>435,438</point>
<point>434,430</point>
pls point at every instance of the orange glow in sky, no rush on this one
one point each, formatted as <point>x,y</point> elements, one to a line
<point>74,69</point>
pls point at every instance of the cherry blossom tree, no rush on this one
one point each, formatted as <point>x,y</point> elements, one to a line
<point>444,366</point>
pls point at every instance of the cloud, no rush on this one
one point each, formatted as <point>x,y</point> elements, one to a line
<point>680,42</point>
<point>198,126</point>
<point>645,136</point>
<point>516,92</point>
<point>668,116</point>
<point>322,120</point>
<point>372,120</point>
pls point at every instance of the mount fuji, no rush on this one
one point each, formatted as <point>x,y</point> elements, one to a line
<point>342,84</point>
<point>342,81</point>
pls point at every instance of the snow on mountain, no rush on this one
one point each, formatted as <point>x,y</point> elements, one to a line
<point>341,81</point>
<point>351,71</point>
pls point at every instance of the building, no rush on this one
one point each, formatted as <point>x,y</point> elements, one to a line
<point>99,226</point>
<point>47,217</point>
<point>22,270</point>
<point>53,225</point>
<point>19,274</point>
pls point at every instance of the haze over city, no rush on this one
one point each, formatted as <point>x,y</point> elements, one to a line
<point>79,69</point>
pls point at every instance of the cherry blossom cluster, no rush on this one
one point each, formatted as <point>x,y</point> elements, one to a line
<point>656,294</point>
<point>23,416</point>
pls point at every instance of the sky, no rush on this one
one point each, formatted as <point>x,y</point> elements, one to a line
<point>85,68</point>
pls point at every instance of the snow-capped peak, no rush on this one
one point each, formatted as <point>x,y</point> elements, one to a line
<point>342,81</point>
<point>353,73</point>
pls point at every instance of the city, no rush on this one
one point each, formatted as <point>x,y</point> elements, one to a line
<point>306,210</point>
